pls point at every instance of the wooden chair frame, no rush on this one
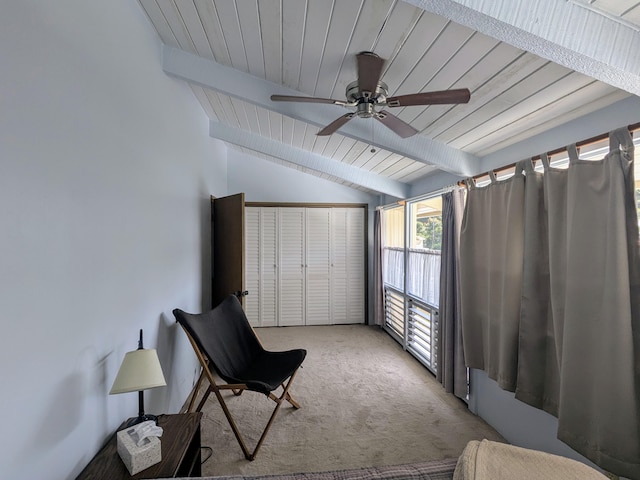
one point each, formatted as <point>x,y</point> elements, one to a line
<point>237,390</point>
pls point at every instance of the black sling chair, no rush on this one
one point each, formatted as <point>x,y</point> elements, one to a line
<point>224,339</point>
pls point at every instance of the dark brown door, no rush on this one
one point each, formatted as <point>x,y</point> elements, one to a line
<point>227,233</point>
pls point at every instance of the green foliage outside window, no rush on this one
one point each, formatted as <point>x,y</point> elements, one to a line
<point>429,229</point>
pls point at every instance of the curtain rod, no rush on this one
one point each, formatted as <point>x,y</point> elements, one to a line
<point>426,196</point>
<point>583,143</point>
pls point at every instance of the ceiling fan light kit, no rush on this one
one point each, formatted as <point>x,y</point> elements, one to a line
<point>368,94</point>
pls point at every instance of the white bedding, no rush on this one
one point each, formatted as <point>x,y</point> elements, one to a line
<point>487,460</point>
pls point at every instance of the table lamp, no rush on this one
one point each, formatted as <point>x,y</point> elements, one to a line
<point>140,370</point>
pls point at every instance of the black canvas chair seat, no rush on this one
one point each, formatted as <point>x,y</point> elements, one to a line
<point>224,341</point>
<point>271,368</point>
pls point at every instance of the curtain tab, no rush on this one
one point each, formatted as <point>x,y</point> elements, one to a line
<point>492,175</point>
<point>523,166</point>
<point>545,160</point>
<point>528,165</point>
<point>572,150</point>
<point>621,139</point>
<point>470,183</point>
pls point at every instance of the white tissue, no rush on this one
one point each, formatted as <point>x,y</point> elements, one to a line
<point>143,430</point>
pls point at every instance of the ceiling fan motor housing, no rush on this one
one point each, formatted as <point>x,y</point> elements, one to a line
<point>364,100</point>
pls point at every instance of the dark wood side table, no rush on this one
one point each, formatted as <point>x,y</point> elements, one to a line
<point>180,444</point>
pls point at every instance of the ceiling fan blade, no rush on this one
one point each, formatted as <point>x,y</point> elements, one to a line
<point>394,123</point>
<point>292,98</point>
<point>369,71</point>
<point>336,124</point>
<point>430,98</point>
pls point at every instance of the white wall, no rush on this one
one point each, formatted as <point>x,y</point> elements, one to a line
<point>520,424</point>
<point>266,181</point>
<point>106,168</point>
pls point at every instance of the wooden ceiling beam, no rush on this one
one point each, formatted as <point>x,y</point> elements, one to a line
<point>257,91</point>
<point>310,160</point>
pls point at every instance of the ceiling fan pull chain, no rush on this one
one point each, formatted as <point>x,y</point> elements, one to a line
<point>373,148</point>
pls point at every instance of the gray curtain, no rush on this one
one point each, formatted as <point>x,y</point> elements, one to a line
<point>538,370</point>
<point>451,371</point>
<point>491,250</point>
<point>378,289</point>
<point>599,396</point>
<point>572,347</point>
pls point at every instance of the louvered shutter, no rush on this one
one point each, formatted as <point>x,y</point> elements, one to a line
<point>339,265</point>
<point>355,265</point>
<point>318,252</point>
<point>268,267</point>
<point>291,291</point>
<point>261,266</point>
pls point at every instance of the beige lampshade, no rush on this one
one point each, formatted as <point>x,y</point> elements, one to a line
<point>140,370</point>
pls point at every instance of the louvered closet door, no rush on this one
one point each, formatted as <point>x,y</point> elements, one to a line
<point>305,266</point>
<point>261,265</point>
<point>347,270</point>
<point>268,267</point>
<point>355,265</point>
<point>317,265</point>
<point>291,291</point>
<point>339,265</point>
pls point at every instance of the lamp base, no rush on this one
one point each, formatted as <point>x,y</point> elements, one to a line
<point>142,418</point>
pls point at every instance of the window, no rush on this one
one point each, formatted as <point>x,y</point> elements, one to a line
<point>393,271</point>
<point>423,265</point>
<point>393,247</point>
<point>412,241</point>
<point>423,279</point>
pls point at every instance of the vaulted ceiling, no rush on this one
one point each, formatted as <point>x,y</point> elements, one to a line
<point>530,66</point>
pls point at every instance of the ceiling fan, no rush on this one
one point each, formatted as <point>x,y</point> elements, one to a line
<point>369,93</point>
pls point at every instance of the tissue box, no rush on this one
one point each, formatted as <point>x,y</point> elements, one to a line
<point>135,457</point>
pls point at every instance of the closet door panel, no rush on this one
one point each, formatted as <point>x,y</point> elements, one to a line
<point>338,265</point>
<point>318,261</point>
<point>355,265</point>
<point>291,288</point>
<point>268,266</point>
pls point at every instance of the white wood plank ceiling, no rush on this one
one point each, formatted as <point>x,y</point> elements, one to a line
<point>236,53</point>
<point>625,11</point>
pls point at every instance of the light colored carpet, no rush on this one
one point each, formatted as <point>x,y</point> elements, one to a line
<point>365,402</point>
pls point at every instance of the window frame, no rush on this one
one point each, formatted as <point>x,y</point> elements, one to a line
<point>418,329</point>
